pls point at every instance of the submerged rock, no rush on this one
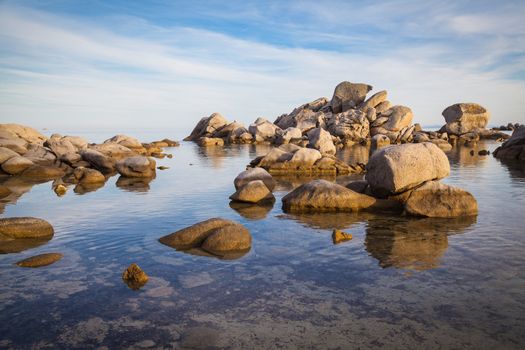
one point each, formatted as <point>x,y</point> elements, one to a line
<point>134,277</point>
<point>396,169</point>
<point>339,236</point>
<point>137,166</point>
<point>40,260</point>
<point>230,236</point>
<point>25,227</point>
<point>322,195</point>
<point>435,199</point>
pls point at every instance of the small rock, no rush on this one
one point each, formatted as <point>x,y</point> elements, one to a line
<point>60,190</point>
<point>163,167</point>
<point>134,277</point>
<point>40,260</point>
<point>339,236</point>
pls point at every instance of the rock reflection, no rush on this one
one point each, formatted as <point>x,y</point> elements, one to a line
<point>232,255</point>
<point>12,188</point>
<point>8,246</point>
<point>287,183</point>
<point>134,184</point>
<point>86,188</point>
<point>467,155</point>
<point>415,244</point>
<point>515,168</point>
<point>327,220</point>
<point>252,211</point>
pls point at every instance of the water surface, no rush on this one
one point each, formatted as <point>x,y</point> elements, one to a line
<point>401,282</point>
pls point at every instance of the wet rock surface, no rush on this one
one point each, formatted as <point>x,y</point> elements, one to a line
<point>134,277</point>
<point>40,260</point>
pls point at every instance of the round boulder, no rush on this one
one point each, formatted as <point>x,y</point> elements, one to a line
<point>25,227</point>
<point>465,117</point>
<point>137,166</point>
<point>253,174</point>
<point>252,192</point>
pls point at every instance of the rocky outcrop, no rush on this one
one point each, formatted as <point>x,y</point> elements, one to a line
<point>462,118</point>
<point>40,260</point>
<point>98,161</point>
<point>16,165</point>
<point>323,196</point>
<point>253,192</point>
<point>217,236</point>
<point>25,227</point>
<point>434,199</point>
<point>207,126</point>
<point>396,169</point>
<point>136,167</point>
<point>348,95</point>
<point>262,130</point>
<point>513,148</point>
<point>321,140</point>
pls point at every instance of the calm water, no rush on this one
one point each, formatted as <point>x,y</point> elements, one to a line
<point>400,283</point>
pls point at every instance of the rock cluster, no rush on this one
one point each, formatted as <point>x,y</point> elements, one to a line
<point>25,152</point>
<point>292,159</point>
<point>217,236</point>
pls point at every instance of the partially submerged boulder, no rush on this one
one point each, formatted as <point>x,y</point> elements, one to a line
<point>396,169</point>
<point>134,277</point>
<point>253,192</point>
<point>16,165</point>
<point>322,195</point>
<point>25,227</point>
<point>40,260</point>
<point>462,118</point>
<point>137,166</point>
<point>98,161</point>
<point>434,199</point>
<point>224,236</point>
<point>253,174</point>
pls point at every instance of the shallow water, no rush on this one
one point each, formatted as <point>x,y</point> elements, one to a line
<point>400,283</point>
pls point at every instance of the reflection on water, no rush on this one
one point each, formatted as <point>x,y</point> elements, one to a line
<point>134,184</point>
<point>19,245</point>
<point>252,211</point>
<point>468,155</point>
<point>416,244</point>
<point>293,289</point>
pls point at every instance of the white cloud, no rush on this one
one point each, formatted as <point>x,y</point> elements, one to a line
<point>56,72</point>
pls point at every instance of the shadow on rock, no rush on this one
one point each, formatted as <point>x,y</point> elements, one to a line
<point>134,184</point>
<point>251,211</point>
<point>414,244</point>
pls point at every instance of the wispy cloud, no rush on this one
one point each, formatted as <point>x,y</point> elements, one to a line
<point>64,68</point>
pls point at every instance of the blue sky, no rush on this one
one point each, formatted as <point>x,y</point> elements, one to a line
<point>112,63</point>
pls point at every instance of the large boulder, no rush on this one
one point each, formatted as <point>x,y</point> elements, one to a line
<point>263,130</point>
<point>60,146</point>
<point>287,135</point>
<point>25,227</point>
<point>6,153</point>
<point>137,166</point>
<point>252,192</point>
<point>304,117</point>
<point>253,174</point>
<point>399,117</point>
<point>88,176</point>
<point>25,133</point>
<point>98,161</point>
<point>352,125</point>
<point>126,141</point>
<point>396,169</point>
<point>322,196</point>
<point>434,199</point>
<point>230,236</point>
<point>513,148</point>
<point>306,157</point>
<point>321,140</point>
<point>42,172</point>
<point>462,118</point>
<point>348,95</point>
<point>207,126</point>
<point>374,100</point>
<point>16,165</point>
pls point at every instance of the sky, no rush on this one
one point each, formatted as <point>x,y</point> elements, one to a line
<point>109,64</point>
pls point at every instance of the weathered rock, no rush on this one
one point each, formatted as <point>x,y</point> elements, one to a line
<point>207,126</point>
<point>210,141</point>
<point>351,125</point>
<point>339,236</point>
<point>88,176</point>
<point>25,227</point>
<point>134,277</point>
<point>398,118</point>
<point>304,117</point>
<point>253,174</point>
<point>262,130</point>
<point>60,146</point>
<point>322,195</point>
<point>274,156</point>
<point>98,161</point>
<point>374,100</point>
<point>223,235</point>
<point>6,153</point>
<point>383,106</point>
<point>16,165</point>
<point>126,141</point>
<point>226,130</point>
<point>380,140</point>
<point>40,260</point>
<point>321,140</point>
<point>305,157</point>
<point>25,133</point>
<point>252,192</point>
<point>513,148</point>
<point>288,135</point>
<point>137,166</point>
<point>434,199</point>
<point>40,155</point>
<point>42,172</point>
<point>115,151</point>
<point>465,117</point>
<point>60,190</point>
<point>348,95</point>
<point>358,186</point>
<point>399,168</point>
<point>228,238</point>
